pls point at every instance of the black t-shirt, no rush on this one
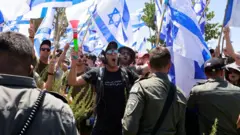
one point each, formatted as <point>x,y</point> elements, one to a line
<point>111,105</point>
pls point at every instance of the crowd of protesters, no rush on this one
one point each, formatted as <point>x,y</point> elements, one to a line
<point>133,93</point>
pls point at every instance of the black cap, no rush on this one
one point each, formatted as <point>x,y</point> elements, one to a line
<point>214,64</point>
<point>112,45</point>
<point>46,42</point>
<point>132,53</point>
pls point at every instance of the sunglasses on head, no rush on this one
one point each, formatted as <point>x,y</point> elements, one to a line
<point>112,52</point>
<point>45,49</point>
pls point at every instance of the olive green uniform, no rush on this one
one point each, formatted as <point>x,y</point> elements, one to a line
<point>145,105</point>
<point>18,95</point>
<point>213,99</point>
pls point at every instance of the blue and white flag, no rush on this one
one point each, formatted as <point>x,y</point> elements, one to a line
<point>166,20</point>
<point>53,3</point>
<point>112,21</point>
<point>199,9</point>
<point>1,21</point>
<point>44,31</point>
<point>11,9</point>
<point>189,50</point>
<point>232,15</point>
<point>140,30</point>
<point>136,19</point>
<point>20,25</point>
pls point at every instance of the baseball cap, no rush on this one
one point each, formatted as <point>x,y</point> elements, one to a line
<point>214,64</point>
<point>140,55</point>
<point>112,45</point>
<point>46,42</point>
<point>233,66</point>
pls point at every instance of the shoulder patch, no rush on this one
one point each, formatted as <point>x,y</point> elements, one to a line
<point>200,83</point>
<point>58,96</point>
<point>131,105</point>
<point>135,89</point>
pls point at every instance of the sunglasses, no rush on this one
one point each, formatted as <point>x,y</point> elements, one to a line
<point>45,49</point>
<point>112,52</point>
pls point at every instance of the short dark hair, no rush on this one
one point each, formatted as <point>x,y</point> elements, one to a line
<point>16,51</point>
<point>211,51</point>
<point>160,57</point>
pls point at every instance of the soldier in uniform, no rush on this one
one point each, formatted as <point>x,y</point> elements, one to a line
<point>147,98</point>
<point>19,94</point>
<point>213,99</point>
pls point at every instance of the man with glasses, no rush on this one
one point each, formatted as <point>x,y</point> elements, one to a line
<point>110,88</point>
<point>45,48</point>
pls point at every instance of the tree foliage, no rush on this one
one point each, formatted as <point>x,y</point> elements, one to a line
<point>212,30</point>
<point>60,24</point>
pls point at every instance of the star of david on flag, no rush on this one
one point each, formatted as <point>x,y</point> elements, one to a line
<point>112,21</point>
<point>114,18</point>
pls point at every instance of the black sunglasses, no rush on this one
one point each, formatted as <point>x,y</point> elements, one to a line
<point>45,49</point>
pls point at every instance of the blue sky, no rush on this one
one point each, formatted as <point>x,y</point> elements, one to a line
<point>218,6</point>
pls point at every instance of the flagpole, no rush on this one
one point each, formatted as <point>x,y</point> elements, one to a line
<point>205,8</point>
<point>89,23</point>
<point>161,22</point>
<point>220,36</point>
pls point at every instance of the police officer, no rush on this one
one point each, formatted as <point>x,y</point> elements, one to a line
<point>213,99</point>
<point>20,96</point>
<point>147,100</point>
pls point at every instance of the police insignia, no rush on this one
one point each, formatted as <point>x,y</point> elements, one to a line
<point>131,105</point>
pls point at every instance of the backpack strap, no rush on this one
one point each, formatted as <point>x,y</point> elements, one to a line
<point>38,103</point>
<point>100,76</point>
<point>166,107</point>
<point>125,79</point>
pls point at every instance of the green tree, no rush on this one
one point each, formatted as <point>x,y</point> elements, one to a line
<point>212,30</point>
<point>60,24</point>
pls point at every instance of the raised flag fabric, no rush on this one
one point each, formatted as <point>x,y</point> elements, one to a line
<point>232,14</point>
<point>44,31</point>
<point>199,8</point>
<point>189,48</point>
<point>1,21</point>
<point>140,31</point>
<point>112,21</point>
<point>11,9</point>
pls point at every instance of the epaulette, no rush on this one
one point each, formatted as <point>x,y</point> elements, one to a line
<point>201,82</point>
<point>143,77</point>
<point>58,96</point>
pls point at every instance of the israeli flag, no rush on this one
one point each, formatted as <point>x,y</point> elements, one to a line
<point>50,3</point>
<point>81,11</point>
<point>166,20</point>
<point>136,19</point>
<point>44,31</point>
<point>199,9</point>
<point>189,50</point>
<point>140,30</point>
<point>232,15</point>
<point>1,21</point>
<point>112,21</point>
<point>20,25</point>
<point>11,9</point>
